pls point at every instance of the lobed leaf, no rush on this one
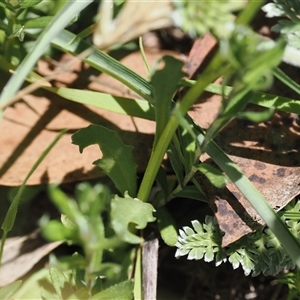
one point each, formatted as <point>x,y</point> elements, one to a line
<point>130,211</point>
<point>8,291</point>
<point>119,291</point>
<point>117,162</point>
<point>60,282</point>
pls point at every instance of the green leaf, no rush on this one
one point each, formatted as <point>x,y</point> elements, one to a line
<point>6,5</point>
<point>16,30</point>
<point>162,181</point>
<point>76,263</point>
<point>130,211</point>
<point>104,63</point>
<point>56,231</point>
<point>273,10</point>
<point>8,291</point>
<point>247,265</point>
<point>288,27</point>
<point>28,3</point>
<point>255,116</point>
<point>31,287</point>
<point>79,295</point>
<point>60,20</point>
<point>191,192</point>
<point>165,84</point>
<point>188,147</point>
<point>40,22</point>
<point>217,178</point>
<point>263,99</point>
<point>117,161</point>
<point>60,282</point>
<point>65,205</point>
<point>288,81</point>
<point>133,107</point>
<point>92,200</point>
<point>209,254</point>
<point>201,241</point>
<point>49,294</point>
<point>174,157</point>
<point>167,226</point>
<point>120,291</point>
<point>234,259</point>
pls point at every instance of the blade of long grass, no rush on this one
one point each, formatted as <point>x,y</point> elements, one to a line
<point>138,292</point>
<point>259,98</point>
<point>104,63</point>
<point>126,106</point>
<point>214,70</point>
<point>59,22</point>
<point>260,204</point>
<point>286,80</point>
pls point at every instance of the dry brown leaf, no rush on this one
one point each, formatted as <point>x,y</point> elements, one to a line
<point>21,254</point>
<point>28,127</point>
<point>133,20</point>
<point>267,153</point>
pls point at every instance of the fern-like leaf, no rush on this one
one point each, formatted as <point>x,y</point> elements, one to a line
<point>258,252</point>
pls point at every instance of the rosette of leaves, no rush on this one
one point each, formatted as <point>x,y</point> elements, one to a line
<point>258,252</point>
<point>199,17</point>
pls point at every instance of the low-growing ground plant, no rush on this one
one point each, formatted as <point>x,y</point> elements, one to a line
<point>109,226</point>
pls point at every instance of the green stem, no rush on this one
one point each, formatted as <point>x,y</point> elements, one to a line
<point>247,14</point>
<point>156,158</point>
<point>182,107</point>
<point>214,70</point>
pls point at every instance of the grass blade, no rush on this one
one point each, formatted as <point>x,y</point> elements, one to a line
<point>263,99</point>
<point>259,203</point>
<point>60,21</point>
<point>104,63</point>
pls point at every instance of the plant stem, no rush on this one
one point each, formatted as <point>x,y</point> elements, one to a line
<point>214,70</point>
<point>247,14</point>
